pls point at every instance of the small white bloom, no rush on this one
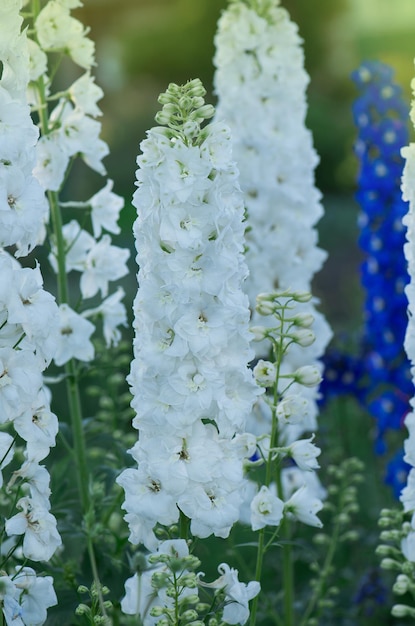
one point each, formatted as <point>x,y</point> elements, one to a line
<point>113,314</point>
<point>103,263</point>
<point>106,207</point>
<point>74,337</point>
<point>266,509</point>
<point>37,595</point>
<point>304,506</point>
<point>265,373</point>
<point>304,454</point>
<point>85,94</point>
<point>293,409</point>
<point>38,526</point>
<point>238,594</point>
<point>51,161</point>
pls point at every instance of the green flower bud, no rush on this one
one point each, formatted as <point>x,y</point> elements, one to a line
<point>401,585</point>
<point>259,332</point>
<point>390,564</point>
<point>189,615</point>
<point>82,609</point>
<point>402,610</point>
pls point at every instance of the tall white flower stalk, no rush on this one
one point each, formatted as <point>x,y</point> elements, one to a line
<point>35,163</point>
<point>189,377</point>
<point>260,82</point>
<point>28,335</point>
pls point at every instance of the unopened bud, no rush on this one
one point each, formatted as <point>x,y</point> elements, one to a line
<point>402,610</point>
<point>303,320</point>
<point>303,337</point>
<point>307,375</point>
<point>401,585</point>
<point>259,333</point>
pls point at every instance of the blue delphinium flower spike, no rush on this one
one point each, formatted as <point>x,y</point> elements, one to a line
<point>380,115</point>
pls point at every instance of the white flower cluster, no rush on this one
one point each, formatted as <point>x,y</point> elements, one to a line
<point>260,82</point>
<point>24,209</point>
<point>408,191</point>
<point>71,130</point>
<point>28,335</point>
<point>191,386</point>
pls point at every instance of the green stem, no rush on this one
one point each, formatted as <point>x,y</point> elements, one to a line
<point>258,572</point>
<point>324,573</point>
<point>288,574</point>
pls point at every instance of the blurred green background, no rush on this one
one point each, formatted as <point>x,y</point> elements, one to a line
<point>142,45</point>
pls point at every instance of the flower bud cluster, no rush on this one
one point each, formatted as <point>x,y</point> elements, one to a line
<point>260,76</point>
<point>191,385</point>
<point>70,130</point>
<point>168,577</point>
<point>282,422</point>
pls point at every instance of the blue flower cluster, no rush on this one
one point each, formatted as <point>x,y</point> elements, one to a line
<point>380,115</point>
<point>382,378</point>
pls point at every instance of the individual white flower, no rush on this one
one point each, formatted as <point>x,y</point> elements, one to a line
<point>9,595</point>
<point>113,314</point>
<point>37,595</point>
<point>35,310</point>
<point>237,596</point>
<point>265,373</point>
<point>293,478</point>
<point>304,506</point>
<point>57,30</point>
<point>79,135</point>
<point>106,207</point>
<point>51,161</point>
<point>20,381</point>
<point>74,337</point>
<point>41,538</point>
<point>78,242</point>
<point>266,509</point>
<point>38,60</point>
<point>37,478</point>
<point>24,210</point>
<point>85,95</point>
<point>293,409</point>
<point>304,454</point>
<point>38,426</point>
<point>103,263</point>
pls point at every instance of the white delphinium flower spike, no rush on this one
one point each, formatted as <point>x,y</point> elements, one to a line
<point>191,385</point>
<point>260,82</point>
